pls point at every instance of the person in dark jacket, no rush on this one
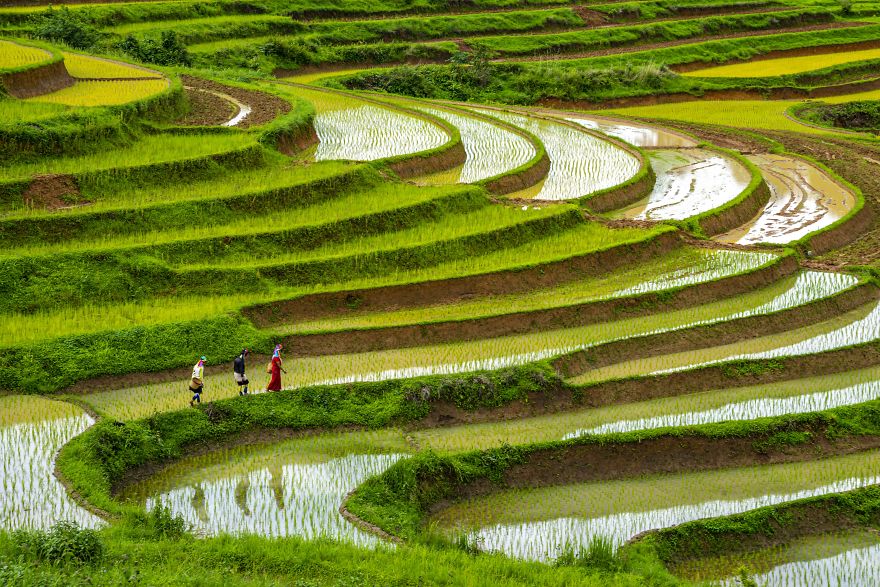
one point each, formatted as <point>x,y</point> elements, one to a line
<point>238,372</point>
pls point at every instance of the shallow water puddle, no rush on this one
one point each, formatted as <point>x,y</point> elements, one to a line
<point>689,182</point>
<point>580,163</point>
<point>32,430</point>
<point>642,504</point>
<point>368,133</point>
<point>491,150</point>
<point>293,488</point>
<point>843,559</point>
<point>803,199</point>
<point>633,133</point>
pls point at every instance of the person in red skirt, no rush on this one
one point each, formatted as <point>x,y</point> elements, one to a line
<point>275,368</point>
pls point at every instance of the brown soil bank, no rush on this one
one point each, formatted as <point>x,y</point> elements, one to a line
<point>40,80</point>
<point>685,451</point>
<point>719,334</point>
<point>446,291</point>
<point>767,527</point>
<point>264,107</point>
<point>560,398</point>
<point>413,335</point>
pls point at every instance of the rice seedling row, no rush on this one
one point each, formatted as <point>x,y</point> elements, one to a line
<point>540,524</point>
<point>580,163</point>
<point>13,55</point>
<point>477,355</point>
<point>688,266</point>
<point>786,65</point>
<point>104,93</point>
<point>843,558</point>
<point>689,182</point>
<point>31,432</point>
<point>804,199</point>
<point>491,150</point>
<point>293,488</point>
<point>685,408</point>
<point>86,67</point>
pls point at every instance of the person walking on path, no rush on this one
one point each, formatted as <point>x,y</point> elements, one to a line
<point>275,368</point>
<point>238,372</point>
<point>196,385</point>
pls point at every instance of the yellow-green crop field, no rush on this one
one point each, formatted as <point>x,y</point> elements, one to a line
<point>104,93</point>
<point>785,65</point>
<point>15,55</point>
<point>85,67</point>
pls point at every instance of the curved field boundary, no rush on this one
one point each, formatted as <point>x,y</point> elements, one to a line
<point>764,527</point>
<point>12,190</point>
<point>425,484</point>
<point>520,178</point>
<point>447,156</point>
<point>161,214</point>
<point>845,230</point>
<point>739,210</point>
<point>720,333</point>
<point>36,79</point>
<point>618,196</point>
<point>414,335</point>
<point>519,279</point>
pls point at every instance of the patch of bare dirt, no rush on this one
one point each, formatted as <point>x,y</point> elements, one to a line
<point>52,192</point>
<point>206,109</point>
<point>264,107</point>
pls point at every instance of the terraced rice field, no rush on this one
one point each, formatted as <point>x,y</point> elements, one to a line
<point>104,93</point>
<point>31,432</point>
<point>786,65</point>
<point>474,361</point>
<point>491,150</point>
<point>689,182</point>
<point>804,199</point>
<point>13,55</point>
<point>845,558</point>
<point>580,163</point>
<point>85,67</point>
<point>293,488</point>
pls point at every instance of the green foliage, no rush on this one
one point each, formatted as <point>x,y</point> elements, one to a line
<point>167,50</point>
<point>65,26</point>
<point>780,440</point>
<point>600,554</point>
<point>65,543</point>
<point>859,115</point>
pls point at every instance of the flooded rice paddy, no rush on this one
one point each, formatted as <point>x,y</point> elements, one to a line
<point>803,199</point>
<point>368,133</point>
<point>634,133</point>
<point>834,560</point>
<point>493,353</point>
<point>688,266</point>
<point>580,163</point>
<point>293,488</point>
<point>491,150</point>
<point>32,430</point>
<point>689,182</point>
<point>538,524</point>
<point>681,405</point>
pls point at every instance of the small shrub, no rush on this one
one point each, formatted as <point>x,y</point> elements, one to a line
<point>64,26</point>
<point>599,554</point>
<point>165,524</point>
<point>168,50</point>
<point>65,543</point>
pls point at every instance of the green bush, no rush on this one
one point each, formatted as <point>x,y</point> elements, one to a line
<point>66,27</point>
<point>167,50</point>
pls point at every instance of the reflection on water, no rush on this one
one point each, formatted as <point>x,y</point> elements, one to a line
<point>633,133</point>
<point>31,496</point>
<point>291,500</point>
<point>803,200</point>
<point>689,182</point>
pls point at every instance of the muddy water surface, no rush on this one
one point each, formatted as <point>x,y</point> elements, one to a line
<point>689,182</point>
<point>634,133</point>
